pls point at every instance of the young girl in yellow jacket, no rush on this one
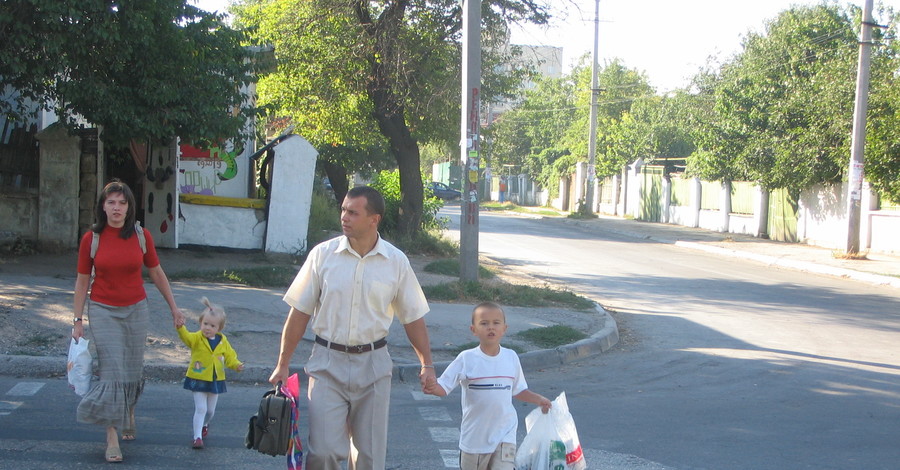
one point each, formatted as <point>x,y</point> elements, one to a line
<point>210,355</point>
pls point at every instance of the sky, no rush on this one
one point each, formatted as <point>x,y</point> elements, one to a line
<point>668,40</point>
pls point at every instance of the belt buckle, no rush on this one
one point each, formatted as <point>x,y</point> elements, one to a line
<point>360,348</point>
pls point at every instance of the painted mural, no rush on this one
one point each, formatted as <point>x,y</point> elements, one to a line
<point>216,171</point>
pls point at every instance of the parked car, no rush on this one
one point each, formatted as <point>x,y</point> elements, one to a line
<point>444,192</point>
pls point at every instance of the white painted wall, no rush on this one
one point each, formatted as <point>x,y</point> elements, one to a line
<point>293,173</point>
<point>221,226</point>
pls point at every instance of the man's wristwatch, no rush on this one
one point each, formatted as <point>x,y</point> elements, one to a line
<point>76,320</point>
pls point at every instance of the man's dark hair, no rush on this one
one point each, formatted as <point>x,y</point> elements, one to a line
<point>374,199</point>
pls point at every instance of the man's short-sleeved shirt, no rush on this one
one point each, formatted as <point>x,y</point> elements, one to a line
<point>353,299</point>
<point>488,385</point>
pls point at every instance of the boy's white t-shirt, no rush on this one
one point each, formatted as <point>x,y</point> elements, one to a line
<point>488,385</point>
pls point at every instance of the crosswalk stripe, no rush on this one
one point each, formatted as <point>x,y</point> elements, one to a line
<point>444,434</point>
<point>25,388</point>
<point>434,413</point>
<point>419,396</point>
<point>450,457</point>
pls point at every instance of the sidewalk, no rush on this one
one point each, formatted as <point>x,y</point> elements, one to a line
<point>38,289</point>
<point>877,268</point>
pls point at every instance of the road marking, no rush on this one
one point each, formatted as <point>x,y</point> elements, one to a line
<point>25,389</point>
<point>6,407</point>
<point>444,434</point>
<point>450,457</point>
<point>419,396</point>
<point>434,413</point>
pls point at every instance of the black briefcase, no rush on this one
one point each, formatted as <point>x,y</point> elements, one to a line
<point>269,431</point>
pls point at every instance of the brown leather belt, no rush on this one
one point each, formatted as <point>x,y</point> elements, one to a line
<point>359,349</point>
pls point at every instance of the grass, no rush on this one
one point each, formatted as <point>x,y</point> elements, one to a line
<point>457,291</point>
<point>506,294</point>
<point>39,340</point>
<point>425,242</point>
<point>267,276</point>
<point>860,256</point>
<point>450,267</point>
<point>512,207</point>
<point>551,336</point>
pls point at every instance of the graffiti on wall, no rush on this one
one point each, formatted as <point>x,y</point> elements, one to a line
<point>205,170</point>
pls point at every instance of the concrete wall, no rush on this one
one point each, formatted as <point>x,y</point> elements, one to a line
<point>221,225</point>
<point>883,232</point>
<point>18,217</point>
<point>822,216</point>
<point>58,192</point>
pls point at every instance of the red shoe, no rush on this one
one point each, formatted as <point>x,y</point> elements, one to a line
<point>198,443</point>
<point>205,431</point>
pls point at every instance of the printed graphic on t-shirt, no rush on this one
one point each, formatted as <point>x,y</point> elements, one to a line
<point>490,383</point>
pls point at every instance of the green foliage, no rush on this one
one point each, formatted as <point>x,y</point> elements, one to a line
<point>548,133</point>
<point>141,69</point>
<point>506,294</point>
<point>324,218</point>
<point>551,336</point>
<point>367,75</point>
<point>266,276</point>
<point>783,107</point>
<point>388,183</point>
<point>450,267</point>
<point>425,242</point>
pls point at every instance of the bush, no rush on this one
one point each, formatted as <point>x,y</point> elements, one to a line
<point>388,183</point>
<point>324,218</point>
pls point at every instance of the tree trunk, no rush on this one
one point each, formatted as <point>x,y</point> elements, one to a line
<point>389,111</point>
<point>337,176</point>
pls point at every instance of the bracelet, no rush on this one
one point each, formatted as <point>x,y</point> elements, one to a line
<point>76,319</point>
<point>428,366</point>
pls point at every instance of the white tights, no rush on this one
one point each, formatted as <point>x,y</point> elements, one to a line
<point>204,410</point>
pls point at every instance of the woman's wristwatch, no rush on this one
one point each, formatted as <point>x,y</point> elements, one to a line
<point>77,319</point>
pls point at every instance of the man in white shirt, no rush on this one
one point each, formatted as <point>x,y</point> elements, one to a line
<point>348,290</point>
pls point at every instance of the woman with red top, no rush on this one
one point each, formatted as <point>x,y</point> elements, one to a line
<point>118,313</point>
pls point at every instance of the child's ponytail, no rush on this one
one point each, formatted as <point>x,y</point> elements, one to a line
<point>213,310</point>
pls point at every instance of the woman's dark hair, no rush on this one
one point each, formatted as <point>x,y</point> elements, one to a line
<point>116,186</point>
<point>374,199</point>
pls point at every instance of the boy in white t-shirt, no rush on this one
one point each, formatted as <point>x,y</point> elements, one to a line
<point>491,376</point>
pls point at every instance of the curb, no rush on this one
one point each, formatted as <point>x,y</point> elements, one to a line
<point>599,342</point>
<point>795,265</point>
<point>804,266</point>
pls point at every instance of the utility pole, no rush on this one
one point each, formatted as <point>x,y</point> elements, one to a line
<point>470,139</point>
<point>857,150</point>
<point>592,137</point>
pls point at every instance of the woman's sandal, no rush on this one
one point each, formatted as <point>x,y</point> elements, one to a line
<point>113,455</point>
<point>130,433</point>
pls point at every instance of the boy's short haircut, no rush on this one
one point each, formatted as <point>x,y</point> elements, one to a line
<point>490,306</point>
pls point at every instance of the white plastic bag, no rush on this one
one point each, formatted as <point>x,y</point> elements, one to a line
<point>552,440</point>
<point>78,367</point>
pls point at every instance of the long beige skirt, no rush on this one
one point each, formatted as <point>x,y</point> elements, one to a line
<point>119,334</point>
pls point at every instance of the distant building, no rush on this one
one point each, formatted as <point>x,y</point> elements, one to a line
<point>546,60</point>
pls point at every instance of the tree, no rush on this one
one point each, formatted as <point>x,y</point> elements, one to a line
<point>141,69</point>
<point>372,74</point>
<point>784,105</point>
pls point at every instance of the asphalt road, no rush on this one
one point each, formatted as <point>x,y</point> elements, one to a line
<point>724,363</point>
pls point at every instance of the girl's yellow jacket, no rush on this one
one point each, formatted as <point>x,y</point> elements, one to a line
<point>204,360</point>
